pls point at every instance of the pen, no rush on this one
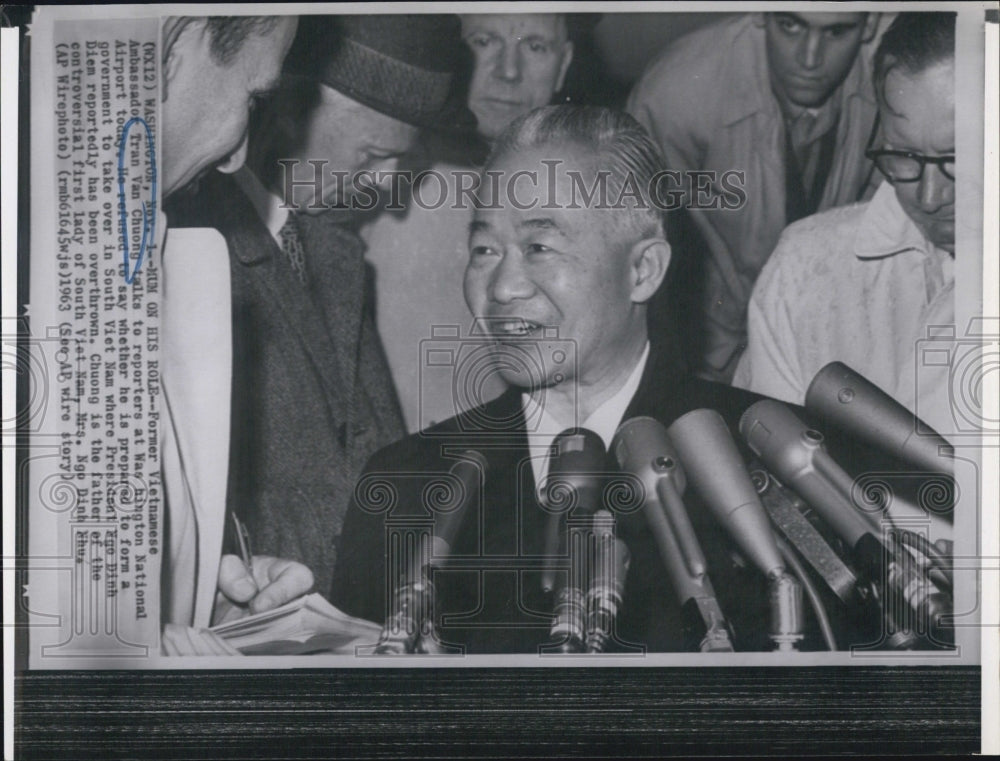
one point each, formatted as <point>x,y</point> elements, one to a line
<point>243,537</point>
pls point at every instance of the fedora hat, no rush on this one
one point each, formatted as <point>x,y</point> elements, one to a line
<point>410,67</point>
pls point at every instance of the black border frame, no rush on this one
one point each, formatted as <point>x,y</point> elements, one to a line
<point>500,713</point>
<point>483,712</point>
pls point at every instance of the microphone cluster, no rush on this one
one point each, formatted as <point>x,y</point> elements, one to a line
<point>701,440</point>
<point>765,514</point>
<point>791,512</point>
<point>907,577</point>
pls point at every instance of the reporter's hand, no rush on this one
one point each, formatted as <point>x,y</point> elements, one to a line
<point>275,581</point>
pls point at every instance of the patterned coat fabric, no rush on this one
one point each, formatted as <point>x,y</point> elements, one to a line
<point>312,397</point>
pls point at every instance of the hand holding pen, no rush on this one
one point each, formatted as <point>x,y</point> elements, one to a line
<point>251,584</point>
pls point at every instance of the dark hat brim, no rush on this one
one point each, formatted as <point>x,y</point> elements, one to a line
<point>453,116</point>
<point>406,67</point>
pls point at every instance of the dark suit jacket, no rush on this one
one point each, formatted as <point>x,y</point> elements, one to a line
<point>501,605</point>
<point>312,395</point>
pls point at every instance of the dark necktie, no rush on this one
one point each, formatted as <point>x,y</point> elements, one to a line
<point>291,244</point>
<point>803,193</point>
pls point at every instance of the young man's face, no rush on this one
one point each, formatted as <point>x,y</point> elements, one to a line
<point>532,269</point>
<point>207,106</point>
<point>520,62</point>
<point>810,54</point>
<point>918,115</point>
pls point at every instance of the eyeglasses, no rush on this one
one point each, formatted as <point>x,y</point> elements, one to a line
<point>904,166</point>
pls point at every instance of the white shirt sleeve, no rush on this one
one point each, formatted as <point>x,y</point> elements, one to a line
<point>770,365</point>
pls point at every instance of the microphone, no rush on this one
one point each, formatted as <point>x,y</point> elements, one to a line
<point>611,560</point>
<point>850,401</point>
<point>642,448</point>
<point>575,483</point>
<point>576,459</point>
<point>797,457</point>
<point>448,520</point>
<point>410,628</point>
<point>717,472</point>
<point>784,508</point>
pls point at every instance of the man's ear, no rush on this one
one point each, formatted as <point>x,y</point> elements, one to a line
<point>178,33</point>
<point>649,259</point>
<point>567,59</point>
<point>871,26</point>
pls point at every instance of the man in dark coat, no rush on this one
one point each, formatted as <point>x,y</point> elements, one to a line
<point>212,68</point>
<point>561,287</point>
<point>312,396</point>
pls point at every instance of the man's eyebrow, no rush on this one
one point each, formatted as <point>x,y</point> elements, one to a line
<point>539,223</point>
<point>478,226</point>
<point>790,17</point>
<point>840,26</point>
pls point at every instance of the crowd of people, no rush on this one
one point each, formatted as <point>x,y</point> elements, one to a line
<point>386,210</point>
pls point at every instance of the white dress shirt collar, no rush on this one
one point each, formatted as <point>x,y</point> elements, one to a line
<point>267,204</point>
<point>887,230</point>
<point>603,421</point>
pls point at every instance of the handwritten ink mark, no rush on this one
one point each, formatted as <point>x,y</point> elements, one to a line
<point>148,212</point>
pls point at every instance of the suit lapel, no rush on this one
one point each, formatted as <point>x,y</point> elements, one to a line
<point>256,251</point>
<point>508,493</point>
<point>336,267</point>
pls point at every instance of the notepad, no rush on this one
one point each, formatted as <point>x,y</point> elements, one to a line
<point>306,625</point>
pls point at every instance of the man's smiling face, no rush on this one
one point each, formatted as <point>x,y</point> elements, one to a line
<point>536,268</point>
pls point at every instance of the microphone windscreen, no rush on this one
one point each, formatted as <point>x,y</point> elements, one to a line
<point>716,471</point>
<point>643,449</point>
<point>577,462</point>
<point>794,453</point>
<point>852,402</point>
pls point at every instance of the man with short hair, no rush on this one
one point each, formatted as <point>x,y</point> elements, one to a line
<point>862,284</point>
<point>519,62</point>
<point>563,288</point>
<point>785,99</point>
<point>213,68</point>
<point>312,395</point>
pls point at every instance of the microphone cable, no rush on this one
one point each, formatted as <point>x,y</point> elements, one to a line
<point>934,556</point>
<point>810,589</point>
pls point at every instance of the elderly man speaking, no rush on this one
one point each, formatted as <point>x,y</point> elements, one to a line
<point>571,281</point>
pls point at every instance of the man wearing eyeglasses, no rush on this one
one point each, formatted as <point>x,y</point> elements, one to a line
<point>862,283</point>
